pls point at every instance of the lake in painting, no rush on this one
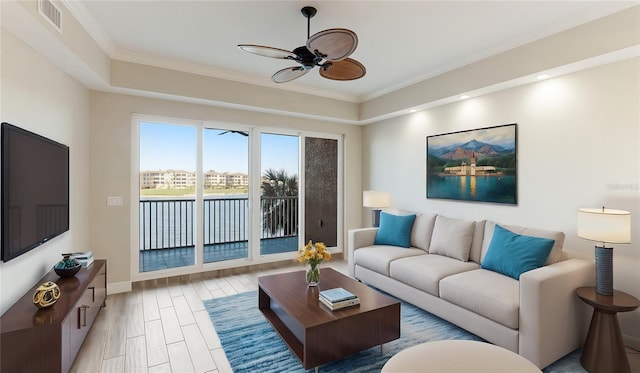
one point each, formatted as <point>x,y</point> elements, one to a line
<point>477,165</point>
<point>474,188</point>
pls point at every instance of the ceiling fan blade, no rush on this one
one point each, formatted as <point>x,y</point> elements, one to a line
<point>243,133</point>
<point>334,44</point>
<point>347,69</point>
<point>261,50</point>
<point>288,74</point>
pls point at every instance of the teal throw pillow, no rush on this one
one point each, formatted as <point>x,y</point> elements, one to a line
<point>512,254</point>
<point>395,230</point>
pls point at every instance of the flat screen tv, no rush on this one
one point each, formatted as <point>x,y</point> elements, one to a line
<point>35,190</point>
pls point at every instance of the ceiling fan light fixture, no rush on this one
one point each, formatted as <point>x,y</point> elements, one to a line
<point>329,49</point>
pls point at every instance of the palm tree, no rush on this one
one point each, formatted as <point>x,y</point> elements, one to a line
<point>279,211</point>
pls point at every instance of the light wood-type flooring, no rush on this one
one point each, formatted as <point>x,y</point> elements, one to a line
<point>162,325</point>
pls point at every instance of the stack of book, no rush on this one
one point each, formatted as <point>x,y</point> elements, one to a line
<point>338,298</point>
<point>85,258</point>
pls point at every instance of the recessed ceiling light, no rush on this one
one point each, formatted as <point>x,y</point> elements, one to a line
<point>542,76</point>
<point>464,97</point>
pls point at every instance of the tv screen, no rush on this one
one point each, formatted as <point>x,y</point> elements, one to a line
<point>35,190</point>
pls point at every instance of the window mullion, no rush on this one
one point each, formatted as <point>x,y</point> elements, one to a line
<point>254,192</point>
<point>199,196</point>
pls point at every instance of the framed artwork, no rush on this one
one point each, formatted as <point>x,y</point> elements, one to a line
<point>477,165</point>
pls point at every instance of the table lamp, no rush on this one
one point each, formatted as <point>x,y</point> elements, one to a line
<point>606,226</point>
<point>376,200</point>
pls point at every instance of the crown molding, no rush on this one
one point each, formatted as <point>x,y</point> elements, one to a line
<point>199,69</point>
<point>93,28</point>
<point>589,63</point>
<point>504,47</point>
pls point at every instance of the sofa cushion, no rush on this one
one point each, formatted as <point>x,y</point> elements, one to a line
<point>424,272</point>
<point>377,258</point>
<point>476,245</point>
<point>486,293</point>
<point>422,231</point>
<point>452,237</point>
<point>422,227</point>
<point>512,254</point>
<point>558,237</point>
<point>395,230</point>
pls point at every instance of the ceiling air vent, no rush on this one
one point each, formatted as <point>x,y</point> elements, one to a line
<point>51,13</point>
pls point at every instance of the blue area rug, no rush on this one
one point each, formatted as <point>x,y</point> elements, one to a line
<point>252,345</point>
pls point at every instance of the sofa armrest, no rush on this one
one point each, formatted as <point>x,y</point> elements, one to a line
<point>553,321</point>
<point>358,238</point>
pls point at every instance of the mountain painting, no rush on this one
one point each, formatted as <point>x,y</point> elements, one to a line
<point>478,165</point>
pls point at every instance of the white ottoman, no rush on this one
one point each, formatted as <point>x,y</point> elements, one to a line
<point>458,356</point>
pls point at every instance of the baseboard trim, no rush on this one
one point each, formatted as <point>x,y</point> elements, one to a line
<point>119,287</point>
<point>631,341</point>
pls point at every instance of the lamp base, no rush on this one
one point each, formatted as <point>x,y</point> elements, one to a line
<point>376,218</point>
<point>604,270</point>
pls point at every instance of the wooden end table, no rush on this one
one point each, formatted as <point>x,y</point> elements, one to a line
<point>315,334</point>
<point>604,350</point>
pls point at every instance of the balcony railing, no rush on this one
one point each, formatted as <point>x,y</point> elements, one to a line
<point>169,223</point>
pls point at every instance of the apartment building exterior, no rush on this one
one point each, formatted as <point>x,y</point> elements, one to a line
<point>180,179</point>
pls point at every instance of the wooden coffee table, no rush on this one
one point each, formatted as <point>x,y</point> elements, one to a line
<point>314,333</point>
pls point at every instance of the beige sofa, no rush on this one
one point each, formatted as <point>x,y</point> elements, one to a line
<point>537,316</point>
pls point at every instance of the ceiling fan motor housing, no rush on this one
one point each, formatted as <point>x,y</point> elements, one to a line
<point>306,58</point>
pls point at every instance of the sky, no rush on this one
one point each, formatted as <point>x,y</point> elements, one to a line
<point>500,135</point>
<point>164,146</point>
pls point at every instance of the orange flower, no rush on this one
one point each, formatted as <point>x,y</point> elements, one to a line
<point>313,253</point>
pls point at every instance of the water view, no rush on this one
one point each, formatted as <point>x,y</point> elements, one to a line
<point>498,189</point>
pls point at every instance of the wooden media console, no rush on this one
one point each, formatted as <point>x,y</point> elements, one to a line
<point>48,340</point>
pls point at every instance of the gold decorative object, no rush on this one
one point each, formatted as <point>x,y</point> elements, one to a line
<point>46,294</point>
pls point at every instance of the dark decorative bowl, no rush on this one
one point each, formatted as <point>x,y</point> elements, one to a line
<point>67,272</point>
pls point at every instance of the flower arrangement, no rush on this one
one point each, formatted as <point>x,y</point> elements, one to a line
<point>313,254</point>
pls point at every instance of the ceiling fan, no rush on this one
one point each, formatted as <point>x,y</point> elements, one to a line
<point>328,49</point>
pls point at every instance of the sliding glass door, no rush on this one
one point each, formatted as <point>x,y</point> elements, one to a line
<point>225,194</point>
<point>167,207</point>
<point>279,193</point>
<point>215,196</point>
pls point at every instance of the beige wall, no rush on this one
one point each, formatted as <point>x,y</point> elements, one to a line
<point>39,97</point>
<point>111,164</point>
<point>200,87</point>
<point>578,146</point>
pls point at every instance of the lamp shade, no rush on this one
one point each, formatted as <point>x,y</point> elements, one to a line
<point>604,225</point>
<point>372,198</point>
